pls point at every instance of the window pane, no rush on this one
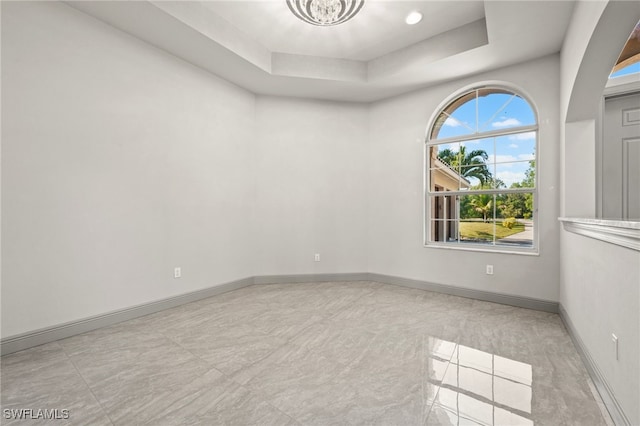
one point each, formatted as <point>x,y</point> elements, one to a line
<point>474,146</point>
<point>457,119</point>
<point>478,176</point>
<point>447,155</point>
<point>476,218</point>
<point>519,235</point>
<point>447,179</point>
<point>518,147</point>
<point>504,111</point>
<point>492,105</point>
<point>469,159</point>
<point>476,207</point>
<point>471,182</point>
<point>445,231</point>
<point>518,205</point>
<point>514,175</point>
<point>453,147</point>
<point>444,170</point>
<point>476,231</point>
<point>453,126</point>
<point>465,115</point>
<point>514,219</point>
<point>444,215</point>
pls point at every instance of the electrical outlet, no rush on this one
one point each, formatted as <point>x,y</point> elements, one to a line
<point>177,272</point>
<point>614,339</point>
<point>317,257</point>
<point>489,269</point>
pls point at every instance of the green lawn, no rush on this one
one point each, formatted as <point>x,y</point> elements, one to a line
<point>484,231</point>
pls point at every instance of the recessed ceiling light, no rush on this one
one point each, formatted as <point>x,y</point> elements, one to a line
<point>413,18</point>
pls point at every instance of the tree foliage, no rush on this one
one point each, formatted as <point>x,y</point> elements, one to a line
<point>472,164</point>
<point>482,204</point>
<point>514,205</point>
<point>520,204</point>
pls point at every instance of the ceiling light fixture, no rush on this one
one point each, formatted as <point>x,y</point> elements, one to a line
<point>413,18</point>
<point>325,13</point>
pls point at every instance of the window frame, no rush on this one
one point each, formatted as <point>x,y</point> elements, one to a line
<point>428,195</point>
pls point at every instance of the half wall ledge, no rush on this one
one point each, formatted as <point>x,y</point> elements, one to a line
<point>624,233</point>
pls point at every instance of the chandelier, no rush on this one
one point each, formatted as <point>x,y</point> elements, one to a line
<point>325,13</point>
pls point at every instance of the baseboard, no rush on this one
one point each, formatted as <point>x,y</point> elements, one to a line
<point>608,398</point>
<point>50,334</point>
<point>309,278</point>
<point>505,299</point>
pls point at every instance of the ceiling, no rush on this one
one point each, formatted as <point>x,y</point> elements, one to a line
<point>378,29</point>
<point>261,46</point>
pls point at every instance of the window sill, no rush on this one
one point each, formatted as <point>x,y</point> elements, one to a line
<point>619,232</point>
<point>486,249</point>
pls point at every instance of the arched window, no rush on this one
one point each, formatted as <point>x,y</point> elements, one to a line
<point>480,172</point>
<point>629,60</point>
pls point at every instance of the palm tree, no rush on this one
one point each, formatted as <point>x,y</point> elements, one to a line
<point>472,164</point>
<point>482,204</point>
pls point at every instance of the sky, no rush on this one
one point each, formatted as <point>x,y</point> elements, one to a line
<point>633,68</point>
<point>508,155</point>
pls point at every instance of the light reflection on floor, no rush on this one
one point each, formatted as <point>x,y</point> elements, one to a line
<point>480,388</point>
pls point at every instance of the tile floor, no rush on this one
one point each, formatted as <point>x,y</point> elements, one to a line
<point>317,354</point>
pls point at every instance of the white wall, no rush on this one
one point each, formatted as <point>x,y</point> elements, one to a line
<point>600,292</point>
<point>579,183</point>
<point>600,282</point>
<point>397,130</point>
<point>119,162</point>
<point>311,174</point>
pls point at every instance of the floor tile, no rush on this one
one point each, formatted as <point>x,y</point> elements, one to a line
<point>314,353</point>
<point>43,378</point>
<point>229,349</point>
<point>213,399</point>
<point>129,372</point>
